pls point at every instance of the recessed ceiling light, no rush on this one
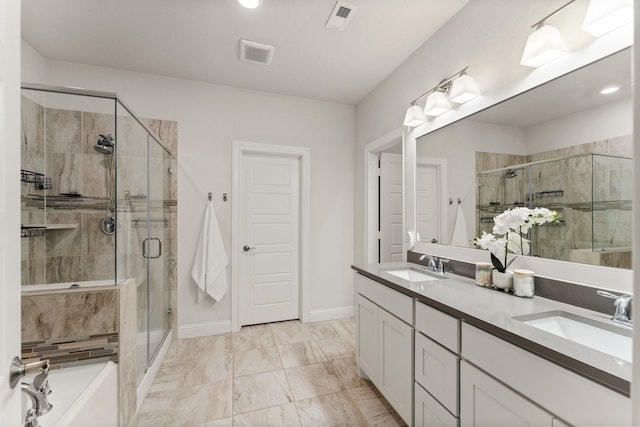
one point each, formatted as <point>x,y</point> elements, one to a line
<point>250,4</point>
<point>610,89</point>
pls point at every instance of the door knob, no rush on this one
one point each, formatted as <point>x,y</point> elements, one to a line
<point>247,248</point>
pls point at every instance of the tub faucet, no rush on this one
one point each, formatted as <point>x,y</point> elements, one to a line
<point>622,313</point>
<point>39,403</point>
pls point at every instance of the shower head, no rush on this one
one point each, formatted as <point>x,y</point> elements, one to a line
<point>511,173</point>
<point>105,144</point>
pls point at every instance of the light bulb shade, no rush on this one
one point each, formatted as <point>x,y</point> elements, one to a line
<point>464,89</point>
<point>604,16</point>
<point>543,46</point>
<point>437,104</point>
<point>415,116</point>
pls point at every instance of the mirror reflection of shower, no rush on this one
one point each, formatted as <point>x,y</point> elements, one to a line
<point>106,146</point>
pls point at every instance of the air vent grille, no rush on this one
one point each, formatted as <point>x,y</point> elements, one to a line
<point>341,15</point>
<point>343,12</point>
<point>257,53</point>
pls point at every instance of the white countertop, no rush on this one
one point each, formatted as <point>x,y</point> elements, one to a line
<point>494,311</point>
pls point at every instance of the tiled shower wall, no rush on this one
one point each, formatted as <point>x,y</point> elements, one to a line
<point>601,182</point>
<point>59,143</point>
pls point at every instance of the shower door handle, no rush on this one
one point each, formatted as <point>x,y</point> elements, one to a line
<point>145,244</point>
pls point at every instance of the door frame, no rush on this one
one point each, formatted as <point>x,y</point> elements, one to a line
<point>242,148</point>
<point>371,152</point>
<point>10,407</point>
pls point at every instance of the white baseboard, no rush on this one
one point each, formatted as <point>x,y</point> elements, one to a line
<point>204,329</point>
<point>150,375</point>
<point>329,314</point>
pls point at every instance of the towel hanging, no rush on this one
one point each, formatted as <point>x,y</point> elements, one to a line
<point>209,270</point>
<point>460,237</point>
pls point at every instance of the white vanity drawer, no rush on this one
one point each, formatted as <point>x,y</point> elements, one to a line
<point>429,413</point>
<point>436,369</point>
<point>439,326</point>
<point>393,301</point>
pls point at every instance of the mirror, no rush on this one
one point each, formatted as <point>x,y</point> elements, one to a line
<point>563,145</point>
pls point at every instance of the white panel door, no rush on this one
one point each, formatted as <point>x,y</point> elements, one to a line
<point>390,207</point>
<point>269,239</point>
<point>10,407</point>
<point>428,184</point>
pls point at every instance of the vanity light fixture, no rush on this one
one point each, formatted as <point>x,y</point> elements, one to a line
<point>459,88</point>
<point>604,16</point>
<point>609,90</point>
<point>545,44</point>
<point>250,4</point>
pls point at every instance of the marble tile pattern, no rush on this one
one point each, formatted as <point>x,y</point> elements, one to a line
<point>595,203</point>
<point>72,313</point>
<point>70,351</point>
<point>279,374</point>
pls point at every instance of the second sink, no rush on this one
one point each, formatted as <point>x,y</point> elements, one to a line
<point>610,339</point>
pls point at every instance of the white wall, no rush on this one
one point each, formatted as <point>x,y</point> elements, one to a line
<point>33,64</point>
<point>209,118</point>
<point>595,124</point>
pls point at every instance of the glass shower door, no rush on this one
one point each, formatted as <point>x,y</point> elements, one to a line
<point>156,245</point>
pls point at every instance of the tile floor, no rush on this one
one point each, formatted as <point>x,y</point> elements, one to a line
<point>279,374</point>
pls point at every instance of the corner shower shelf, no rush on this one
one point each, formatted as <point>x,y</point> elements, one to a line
<point>34,230</point>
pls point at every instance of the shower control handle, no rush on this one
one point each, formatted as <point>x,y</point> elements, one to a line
<point>247,248</point>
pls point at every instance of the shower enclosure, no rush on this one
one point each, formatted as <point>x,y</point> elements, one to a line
<point>591,192</point>
<point>99,201</point>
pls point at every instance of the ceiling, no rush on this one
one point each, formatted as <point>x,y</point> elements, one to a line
<point>199,40</point>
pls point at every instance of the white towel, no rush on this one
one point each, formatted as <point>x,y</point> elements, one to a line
<point>460,237</point>
<point>209,269</point>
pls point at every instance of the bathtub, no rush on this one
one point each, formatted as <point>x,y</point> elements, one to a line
<point>81,396</point>
<point>68,285</point>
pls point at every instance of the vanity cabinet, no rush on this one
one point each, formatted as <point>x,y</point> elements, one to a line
<point>437,370</point>
<point>559,391</point>
<point>384,343</point>
<point>486,402</point>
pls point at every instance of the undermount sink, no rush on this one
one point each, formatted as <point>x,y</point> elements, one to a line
<point>413,274</point>
<point>610,339</point>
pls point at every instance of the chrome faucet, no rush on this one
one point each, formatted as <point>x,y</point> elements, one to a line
<point>622,312</point>
<point>432,263</point>
<point>39,403</point>
<point>441,263</point>
<point>37,390</point>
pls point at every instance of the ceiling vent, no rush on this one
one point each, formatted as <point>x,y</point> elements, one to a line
<point>257,53</point>
<point>341,15</point>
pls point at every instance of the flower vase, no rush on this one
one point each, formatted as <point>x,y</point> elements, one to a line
<point>502,281</point>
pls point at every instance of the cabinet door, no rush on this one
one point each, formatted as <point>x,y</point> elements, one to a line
<point>395,356</point>
<point>367,337</point>
<point>485,402</point>
<point>429,413</point>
